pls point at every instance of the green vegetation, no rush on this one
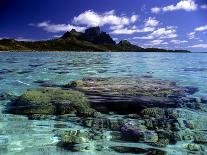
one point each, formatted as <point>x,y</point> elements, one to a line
<point>52,101</point>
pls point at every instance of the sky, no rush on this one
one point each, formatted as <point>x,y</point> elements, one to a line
<point>169,24</point>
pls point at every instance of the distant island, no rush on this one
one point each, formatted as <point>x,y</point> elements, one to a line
<point>93,39</point>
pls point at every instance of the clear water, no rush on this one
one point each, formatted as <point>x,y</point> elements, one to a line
<point>18,71</point>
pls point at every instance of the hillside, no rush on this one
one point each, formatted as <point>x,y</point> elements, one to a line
<point>93,39</point>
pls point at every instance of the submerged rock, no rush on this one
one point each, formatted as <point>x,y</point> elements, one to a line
<point>133,131</point>
<point>126,149</point>
<point>8,96</point>
<point>51,101</point>
<point>200,137</point>
<point>136,150</point>
<point>154,112</point>
<point>70,138</point>
<point>130,95</point>
<point>193,147</point>
<point>204,99</point>
<point>101,123</point>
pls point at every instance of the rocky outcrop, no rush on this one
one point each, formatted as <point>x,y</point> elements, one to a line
<point>51,101</point>
<point>132,95</point>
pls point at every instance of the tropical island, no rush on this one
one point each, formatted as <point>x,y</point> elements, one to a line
<point>93,39</point>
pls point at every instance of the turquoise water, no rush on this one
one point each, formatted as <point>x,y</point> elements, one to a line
<point>19,71</point>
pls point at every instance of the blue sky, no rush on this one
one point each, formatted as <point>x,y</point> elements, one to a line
<point>171,24</point>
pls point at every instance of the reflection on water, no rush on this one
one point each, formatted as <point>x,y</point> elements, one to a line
<point>22,71</point>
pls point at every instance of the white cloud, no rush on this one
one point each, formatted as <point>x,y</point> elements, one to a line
<point>186,5</point>
<point>161,33</point>
<point>201,28</point>
<point>199,46</point>
<point>149,26</point>
<point>124,31</point>
<point>91,18</point>
<point>132,30</point>
<point>23,39</point>
<point>155,10</point>
<point>151,22</point>
<point>57,36</point>
<point>158,42</point>
<point>55,28</point>
<point>178,41</point>
<point>134,18</point>
<point>191,35</point>
<point>204,6</point>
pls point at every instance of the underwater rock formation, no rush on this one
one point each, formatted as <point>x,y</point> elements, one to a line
<point>51,101</point>
<point>131,95</point>
<point>156,113</point>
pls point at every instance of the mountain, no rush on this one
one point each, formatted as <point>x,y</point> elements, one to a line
<point>93,39</point>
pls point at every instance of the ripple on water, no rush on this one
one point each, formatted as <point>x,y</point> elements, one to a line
<point>18,135</point>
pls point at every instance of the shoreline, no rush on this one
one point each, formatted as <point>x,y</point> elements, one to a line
<point>28,51</point>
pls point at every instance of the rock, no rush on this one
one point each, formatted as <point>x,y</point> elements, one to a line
<point>153,151</point>
<point>154,112</point>
<point>101,124</point>
<point>8,96</point>
<point>200,137</point>
<point>204,99</point>
<point>95,36</point>
<point>70,138</point>
<point>133,131</point>
<point>160,123</point>
<point>164,138</point>
<point>186,134</point>
<point>39,117</point>
<point>124,44</point>
<point>191,90</point>
<point>74,136</point>
<point>136,150</point>
<point>186,123</point>
<point>161,143</point>
<point>189,119</point>
<point>150,137</point>
<point>51,101</point>
<point>126,149</point>
<point>193,147</point>
<point>130,95</point>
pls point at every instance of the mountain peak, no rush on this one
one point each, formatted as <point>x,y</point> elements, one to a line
<point>72,33</point>
<point>124,42</point>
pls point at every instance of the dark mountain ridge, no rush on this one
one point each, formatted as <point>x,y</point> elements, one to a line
<point>93,39</point>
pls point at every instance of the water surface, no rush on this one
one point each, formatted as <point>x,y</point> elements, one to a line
<point>21,71</point>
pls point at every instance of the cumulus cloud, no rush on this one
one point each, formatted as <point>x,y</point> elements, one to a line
<point>132,30</point>
<point>199,46</point>
<point>151,22</point>
<point>186,5</point>
<point>56,28</point>
<point>161,33</point>
<point>201,28</point>
<point>124,31</point>
<point>155,10</point>
<point>149,26</point>
<point>91,18</point>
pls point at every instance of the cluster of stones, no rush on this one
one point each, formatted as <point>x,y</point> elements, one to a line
<point>154,112</point>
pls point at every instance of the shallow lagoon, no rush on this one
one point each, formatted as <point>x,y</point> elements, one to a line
<point>22,71</point>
